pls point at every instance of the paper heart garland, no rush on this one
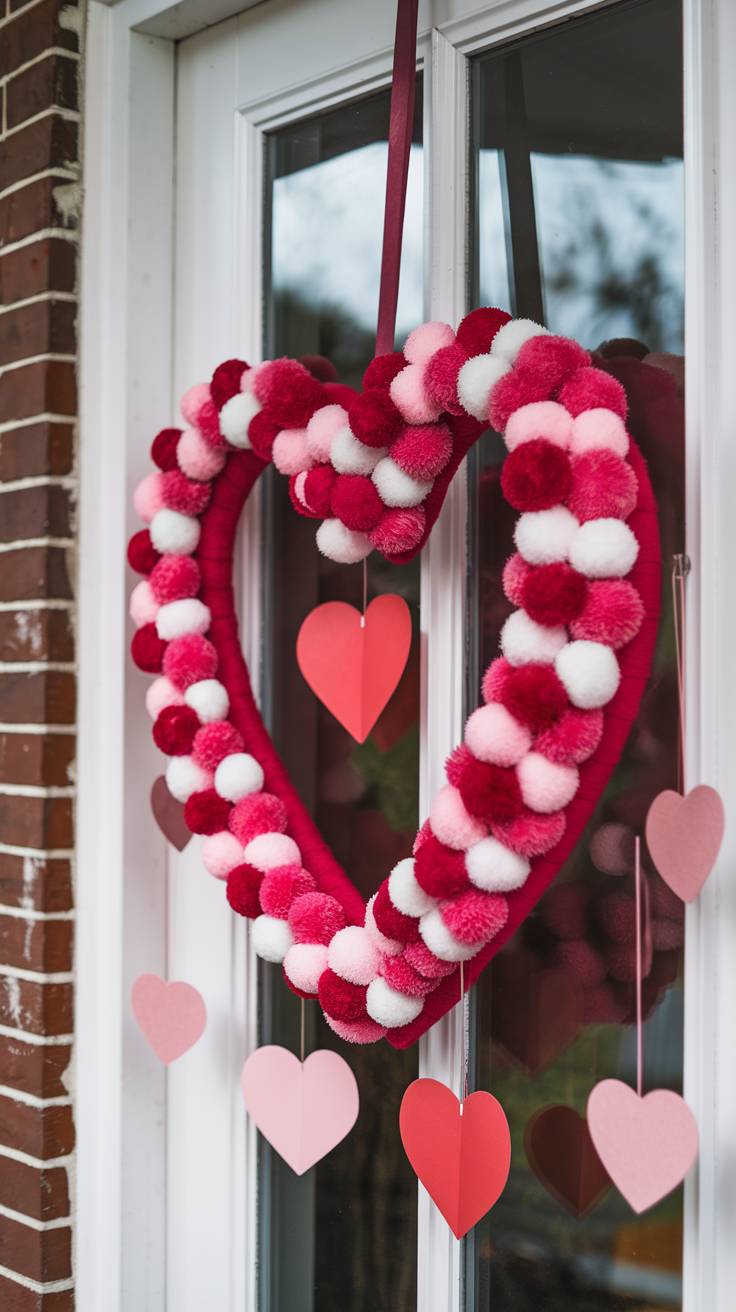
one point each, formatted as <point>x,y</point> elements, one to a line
<point>559,702</point>
<point>172,1016</point>
<point>562,1155</point>
<point>463,1160</point>
<point>354,666</point>
<point>684,836</point>
<point>647,1144</point>
<point>304,1109</point>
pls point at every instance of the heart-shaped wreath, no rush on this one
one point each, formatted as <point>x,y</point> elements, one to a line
<point>557,704</point>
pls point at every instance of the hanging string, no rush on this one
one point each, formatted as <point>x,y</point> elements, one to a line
<point>680,569</point>
<point>365,594</point>
<point>463,1040</point>
<point>301,1026</point>
<point>639,970</point>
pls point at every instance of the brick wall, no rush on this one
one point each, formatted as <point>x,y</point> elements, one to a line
<point>39,214</point>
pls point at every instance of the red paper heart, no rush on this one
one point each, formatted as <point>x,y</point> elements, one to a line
<point>354,667</point>
<point>647,1145</point>
<point>684,835</point>
<point>463,1160</point>
<point>169,815</point>
<point>562,1155</point>
<point>171,1015</point>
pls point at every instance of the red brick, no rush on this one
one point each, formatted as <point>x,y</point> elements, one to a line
<point>36,1068</point>
<point>41,945</point>
<point>50,142</point>
<point>44,326</point>
<point>37,882</point>
<point>36,635</point>
<point>43,822</point>
<point>34,388</point>
<point>42,1255</point>
<point>38,1191</point>
<point>19,1298</point>
<point>46,447</point>
<point>48,265</point>
<point>46,697</point>
<point>35,512</point>
<point>32,573</point>
<point>32,208</point>
<point>43,1132</point>
<point>38,1008</point>
<point>52,81</point>
<point>37,759</point>
<point>32,32</point>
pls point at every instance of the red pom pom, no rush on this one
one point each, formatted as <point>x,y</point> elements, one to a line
<point>475,917</point>
<point>339,998</point>
<point>318,489</point>
<point>175,578</point>
<point>536,475</point>
<point>281,887</point>
<point>616,915</point>
<point>383,369</point>
<point>553,594</point>
<point>613,613</point>
<point>392,922</point>
<point>554,359</point>
<point>315,918</point>
<point>189,659</point>
<point>573,739</point>
<point>490,792</point>
<point>564,910</point>
<point>426,963</point>
<point>262,432</point>
<point>184,494</point>
<point>289,392</point>
<point>535,696</point>
<point>142,555</point>
<point>163,448</point>
<point>440,870</point>
<point>214,742</point>
<point>399,530</point>
<point>478,329</point>
<point>226,381</point>
<point>603,486</point>
<point>423,451</point>
<point>174,730</point>
<point>517,388</point>
<point>494,679</point>
<point>147,649</point>
<point>515,572</point>
<point>208,423</point>
<point>531,834</point>
<point>356,502</point>
<point>592,389</point>
<point>440,377</point>
<point>319,367</point>
<point>399,975</point>
<point>243,886</point>
<point>206,812</point>
<point>258,813</point>
<point>374,419</point>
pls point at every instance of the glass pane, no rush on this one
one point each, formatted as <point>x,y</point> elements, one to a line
<point>343,1237</point>
<point>579,223</point>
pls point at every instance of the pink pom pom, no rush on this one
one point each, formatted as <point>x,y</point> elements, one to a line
<point>303,965</point>
<point>495,679</point>
<point>196,458</point>
<point>321,430</point>
<point>495,736</point>
<point>515,573</point>
<point>315,918</point>
<point>269,851</point>
<point>603,486</point>
<point>184,494</point>
<point>214,742</point>
<point>148,497</point>
<point>451,823</point>
<point>175,578</point>
<point>423,451</point>
<point>281,887</point>
<point>475,917</point>
<point>599,429</point>
<point>544,419</point>
<point>422,343</point>
<point>440,378</point>
<point>518,388</point>
<point>399,975</point>
<point>193,400</point>
<point>289,453</point>
<point>592,389</point>
<point>221,853</point>
<point>531,834</point>
<point>554,359</point>
<point>143,606</point>
<point>410,398</point>
<point>426,963</point>
<point>356,1031</point>
<point>546,786</point>
<point>398,531</point>
<point>353,956</point>
<point>613,613</point>
<point>161,694</point>
<point>189,659</point>
<point>573,739</point>
<point>258,813</point>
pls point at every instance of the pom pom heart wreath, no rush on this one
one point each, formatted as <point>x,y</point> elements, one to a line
<point>373,468</point>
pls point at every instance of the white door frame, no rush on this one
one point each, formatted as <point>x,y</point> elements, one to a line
<point>126,368</point>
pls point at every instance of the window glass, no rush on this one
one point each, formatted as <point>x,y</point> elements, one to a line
<point>342,1237</point>
<point>578,223</point>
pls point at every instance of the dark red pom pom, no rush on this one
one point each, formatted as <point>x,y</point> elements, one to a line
<point>478,329</point>
<point>592,389</point>
<point>536,475</point>
<point>262,432</point>
<point>226,381</point>
<point>163,448</point>
<point>142,555</point>
<point>517,388</point>
<point>147,649</point>
<point>392,922</point>
<point>184,494</point>
<point>174,730</point>
<point>440,377</point>
<point>340,999</point>
<point>535,696</point>
<point>374,419</point>
<point>553,594</point>
<point>243,887</point>
<point>356,502</point>
<point>439,870</point>
<point>490,792</point>
<point>318,489</point>
<point>206,812</point>
<point>289,392</point>
<point>383,369</point>
<point>319,367</point>
<point>554,359</point>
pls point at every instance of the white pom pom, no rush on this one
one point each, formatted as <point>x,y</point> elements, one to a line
<point>511,337</point>
<point>476,381</point>
<point>545,536</point>
<point>303,965</point>
<point>390,1008</point>
<point>603,549</point>
<point>353,955</point>
<point>342,544</point>
<point>349,456</point>
<point>405,893</point>
<point>174,533</point>
<point>235,418</point>
<point>271,938</point>
<point>523,640</point>
<point>590,673</point>
<point>389,946</point>
<point>495,868</point>
<point>546,786</point>
<point>184,777</point>
<point>176,618</point>
<point>439,940</point>
<point>397,488</point>
<point>238,775</point>
<point>209,699</point>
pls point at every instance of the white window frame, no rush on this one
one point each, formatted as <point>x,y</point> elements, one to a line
<point>126,373</point>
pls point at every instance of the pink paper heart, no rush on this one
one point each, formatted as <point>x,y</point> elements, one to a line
<point>303,1109</point>
<point>684,835</point>
<point>354,668</point>
<point>171,1015</point>
<point>647,1145</point>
